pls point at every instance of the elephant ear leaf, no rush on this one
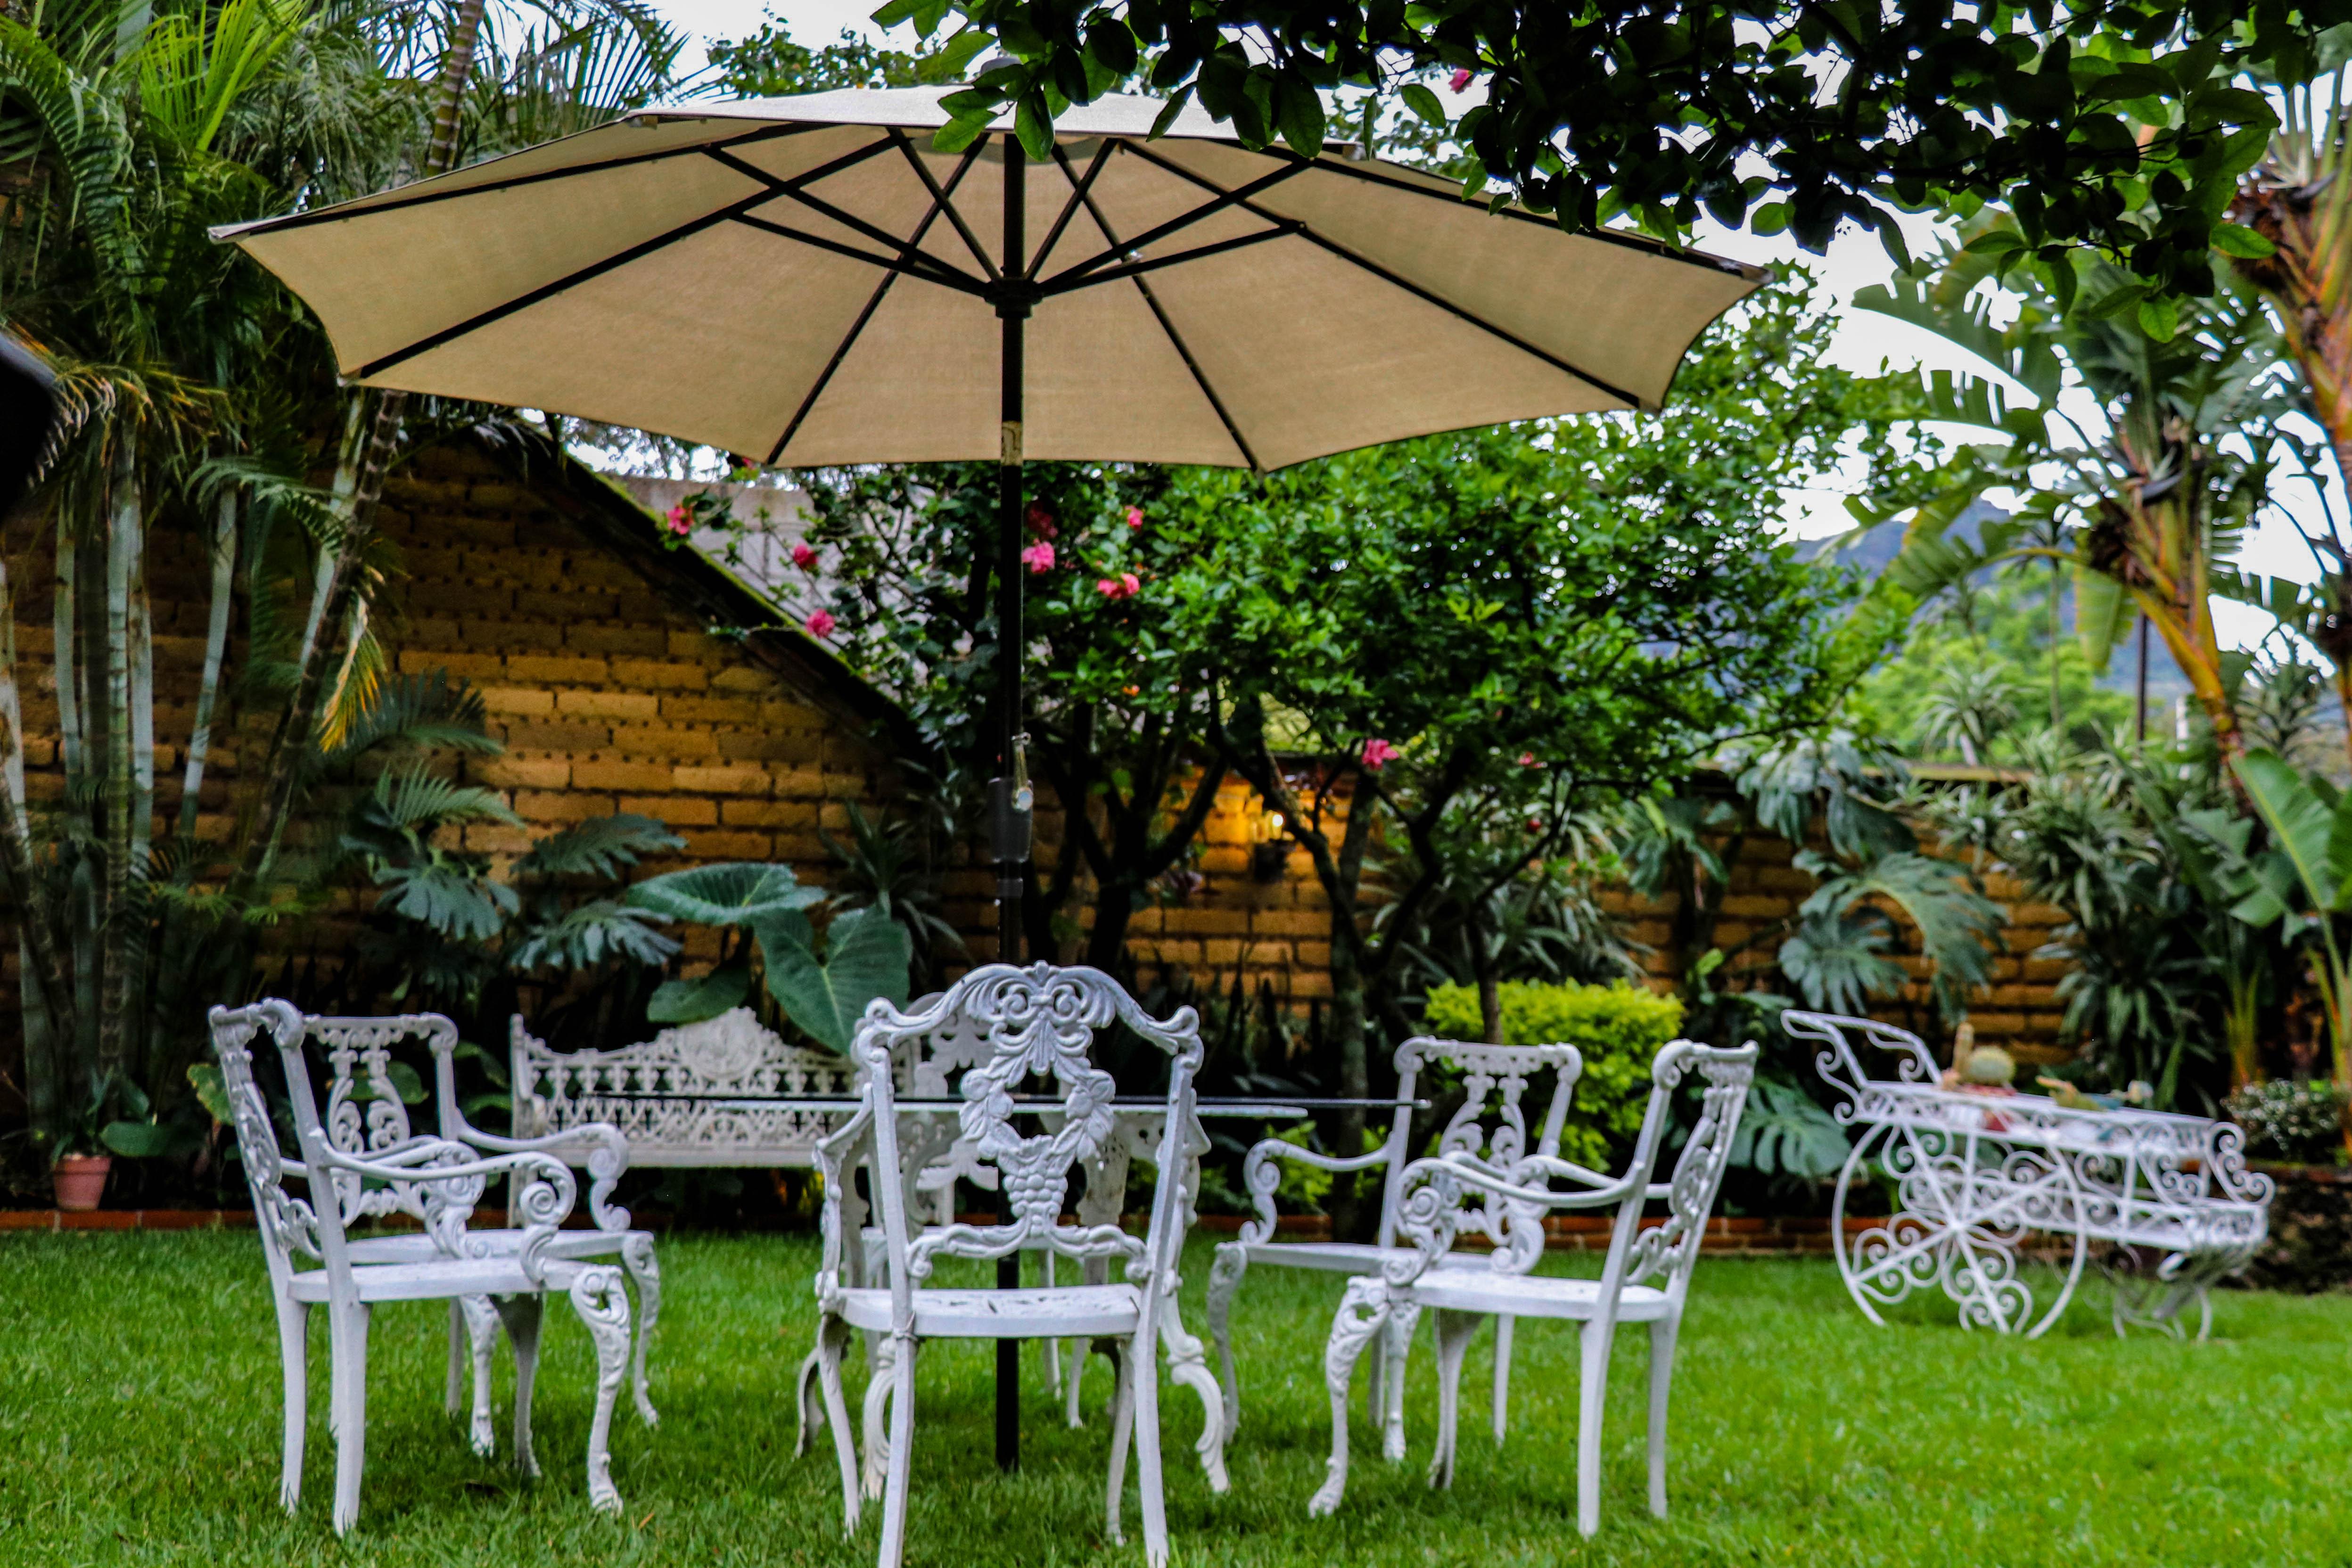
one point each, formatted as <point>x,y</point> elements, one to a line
<point>2301,824</point>
<point>867,955</point>
<point>738,894</point>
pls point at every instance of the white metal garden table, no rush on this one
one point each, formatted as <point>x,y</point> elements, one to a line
<point>1977,1176</point>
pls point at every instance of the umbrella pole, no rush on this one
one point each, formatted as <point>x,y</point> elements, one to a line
<point>1009,792</point>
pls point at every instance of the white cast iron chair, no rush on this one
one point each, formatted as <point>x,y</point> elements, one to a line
<point>1431,1201</point>
<point>1495,1081</point>
<point>1038,1022</point>
<point>366,1118</point>
<point>452,1177</point>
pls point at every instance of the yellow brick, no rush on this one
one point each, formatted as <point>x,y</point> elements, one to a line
<point>726,846</point>
<point>609,774</point>
<point>521,772</point>
<point>569,806</point>
<point>517,699</point>
<point>637,708</point>
<point>557,671</point>
<point>724,780</point>
<point>677,810</point>
<point>660,674</point>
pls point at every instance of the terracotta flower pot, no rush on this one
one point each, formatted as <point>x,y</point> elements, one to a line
<point>80,1180</point>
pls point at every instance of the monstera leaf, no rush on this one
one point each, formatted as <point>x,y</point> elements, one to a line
<point>739,893</point>
<point>866,957</point>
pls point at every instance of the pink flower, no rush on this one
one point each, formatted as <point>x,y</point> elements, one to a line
<point>1461,80</point>
<point>1038,558</point>
<point>1379,754</point>
<point>679,523</point>
<point>821,623</point>
<point>1528,760</point>
<point>803,557</point>
<point>1125,585</point>
<point>1135,517</point>
<point>1133,585</point>
<point>1041,522</point>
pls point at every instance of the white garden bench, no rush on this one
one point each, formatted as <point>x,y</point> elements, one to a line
<point>660,1093</point>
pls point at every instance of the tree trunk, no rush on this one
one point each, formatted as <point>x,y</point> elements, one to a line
<point>116,921</point>
<point>200,738</point>
<point>46,989</point>
<point>292,744</point>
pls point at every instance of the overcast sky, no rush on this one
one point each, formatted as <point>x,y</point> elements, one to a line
<point>1863,342</point>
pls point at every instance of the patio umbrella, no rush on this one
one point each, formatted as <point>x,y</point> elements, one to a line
<point>806,281</point>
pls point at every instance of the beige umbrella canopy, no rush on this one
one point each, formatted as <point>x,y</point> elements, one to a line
<point>805,280</point>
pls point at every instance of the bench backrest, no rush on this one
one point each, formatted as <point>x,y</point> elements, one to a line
<point>650,1091</point>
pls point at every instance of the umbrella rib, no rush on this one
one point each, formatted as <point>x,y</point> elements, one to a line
<point>1160,314</point>
<point>1648,246</point>
<point>895,266</point>
<point>1078,196</point>
<point>922,173</point>
<point>1199,253</point>
<point>873,303</point>
<point>336,214</point>
<point>929,266</point>
<point>1396,280</point>
<point>1060,282</point>
<point>499,312</point>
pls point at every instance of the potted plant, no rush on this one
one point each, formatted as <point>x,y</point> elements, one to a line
<point>111,1122</point>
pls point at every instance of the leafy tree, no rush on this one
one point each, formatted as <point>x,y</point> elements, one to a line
<point>769,64</point>
<point>2120,126</point>
<point>2145,513</point>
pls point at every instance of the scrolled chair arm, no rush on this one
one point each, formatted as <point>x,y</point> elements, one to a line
<point>834,1150</point>
<point>541,1202</point>
<point>1429,1201</point>
<point>600,1147</point>
<point>1260,1178</point>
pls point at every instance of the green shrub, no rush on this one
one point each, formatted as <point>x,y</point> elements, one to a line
<point>1618,1028</point>
<point>2301,1124</point>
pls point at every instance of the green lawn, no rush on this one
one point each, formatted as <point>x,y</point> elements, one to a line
<point>139,1424</point>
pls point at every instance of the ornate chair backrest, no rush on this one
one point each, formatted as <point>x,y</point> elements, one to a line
<point>291,1228</point>
<point>1670,1249</point>
<point>365,1116</point>
<point>1490,1128</point>
<point>986,1038</point>
<point>631,1086</point>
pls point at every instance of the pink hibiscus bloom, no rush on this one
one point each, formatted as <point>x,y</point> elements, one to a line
<point>821,623</point>
<point>1461,80</point>
<point>1125,585</point>
<point>1041,522</point>
<point>1135,517</point>
<point>1528,760</point>
<point>1379,754</point>
<point>679,523</point>
<point>803,557</point>
<point>1038,558</point>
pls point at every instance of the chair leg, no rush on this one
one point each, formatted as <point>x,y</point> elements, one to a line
<point>1592,1395</point>
<point>1224,1282</point>
<point>879,1386</point>
<point>1396,1344</point>
<point>1122,1428</point>
<point>1454,1332</point>
<point>1502,1415</point>
<point>1072,1382</point>
<point>481,1321</point>
<point>832,1337</point>
<point>644,1274</point>
<point>1662,1335</point>
<point>1051,1349</point>
<point>347,1333</point>
<point>604,1307</point>
<point>1189,1366</point>
<point>294,1355</point>
<point>808,1412</point>
<point>523,1315</point>
<point>1145,1402</point>
<point>453,1396</point>
<point>899,1471</point>
<point>1363,1311</point>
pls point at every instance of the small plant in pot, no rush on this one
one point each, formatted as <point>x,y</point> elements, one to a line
<point>113,1120</point>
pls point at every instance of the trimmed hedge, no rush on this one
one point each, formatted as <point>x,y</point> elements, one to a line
<point>1618,1028</point>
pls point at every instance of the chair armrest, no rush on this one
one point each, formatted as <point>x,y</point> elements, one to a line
<point>1429,1202</point>
<point>1259,1178</point>
<point>541,1201</point>
<point>599,1146</point>
<point>833,1150</point>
